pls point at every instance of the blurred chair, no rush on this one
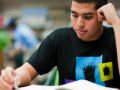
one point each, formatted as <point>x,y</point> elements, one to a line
<point>53,78</point>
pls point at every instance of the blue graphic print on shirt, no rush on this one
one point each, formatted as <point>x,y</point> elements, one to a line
<point>88,68</point>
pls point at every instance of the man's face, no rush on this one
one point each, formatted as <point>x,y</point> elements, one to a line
<point>85,21</point>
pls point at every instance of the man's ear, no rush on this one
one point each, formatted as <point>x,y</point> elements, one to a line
<point>100,19</point>
<point>101,16</point>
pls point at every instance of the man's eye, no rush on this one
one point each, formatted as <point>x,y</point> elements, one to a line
<point>88,17</point>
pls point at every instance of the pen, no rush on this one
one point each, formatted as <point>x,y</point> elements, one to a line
<point>15,87</point>
<point>16,84</point>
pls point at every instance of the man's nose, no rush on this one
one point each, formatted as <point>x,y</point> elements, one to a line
<point>80,22</point>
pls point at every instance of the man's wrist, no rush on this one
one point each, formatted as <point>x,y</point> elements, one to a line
<point>116,23</point>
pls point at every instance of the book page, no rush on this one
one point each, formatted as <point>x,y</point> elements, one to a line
<point>77,85</point>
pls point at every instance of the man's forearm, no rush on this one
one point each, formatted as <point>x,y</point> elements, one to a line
<point>26,74</point>
<point>25,78</point>
<point>116,28</point>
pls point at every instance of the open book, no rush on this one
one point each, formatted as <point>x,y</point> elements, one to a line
<point>77,85</point>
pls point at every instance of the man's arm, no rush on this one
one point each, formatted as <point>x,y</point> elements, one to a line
<point>110,15</point>
<point>116,27</point>
<point>26,74</point>
<point>21,76</point>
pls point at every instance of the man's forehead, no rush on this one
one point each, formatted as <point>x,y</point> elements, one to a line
<point>83,8</point>
<point>83,5</point>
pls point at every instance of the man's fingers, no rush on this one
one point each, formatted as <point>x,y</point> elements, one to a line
<point>7,79</point>
<point>4,85</point>
<point>108,13</point>
<point>7,75</point>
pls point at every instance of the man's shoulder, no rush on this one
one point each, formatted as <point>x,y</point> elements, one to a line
<point>60,33</point>
<point>64,29</point>
<point>108,29</point>
<point>108,33</point>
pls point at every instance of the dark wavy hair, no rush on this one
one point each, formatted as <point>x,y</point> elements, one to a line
<point>98,3</point>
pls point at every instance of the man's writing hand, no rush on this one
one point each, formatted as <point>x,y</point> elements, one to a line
<point>8,79</point>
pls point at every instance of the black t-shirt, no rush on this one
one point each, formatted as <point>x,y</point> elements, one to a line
<point>95,61</point>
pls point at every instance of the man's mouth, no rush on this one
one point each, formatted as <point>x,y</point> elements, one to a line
<point>82,31</point>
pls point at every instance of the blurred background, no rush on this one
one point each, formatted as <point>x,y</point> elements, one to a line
<point>37,13</point>
<point>41,15</point>
<point>37,19</point>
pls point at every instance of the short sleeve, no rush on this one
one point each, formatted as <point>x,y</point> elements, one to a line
<point>43,60</point>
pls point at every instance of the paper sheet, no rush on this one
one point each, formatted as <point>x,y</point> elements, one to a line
<point>77,85</point>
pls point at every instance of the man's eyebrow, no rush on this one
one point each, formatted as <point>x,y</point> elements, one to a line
<point>87,13</point>
<point>72,11</point>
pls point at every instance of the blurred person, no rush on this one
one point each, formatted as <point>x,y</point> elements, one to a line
<point>4,42</point>
<point>87,50</point>
<point>23,38</point>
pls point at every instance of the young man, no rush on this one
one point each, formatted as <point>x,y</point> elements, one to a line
<point>85,51</point>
